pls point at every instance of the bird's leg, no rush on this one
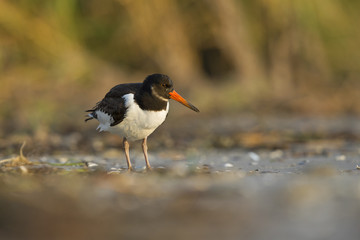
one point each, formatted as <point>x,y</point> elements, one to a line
<point>144,147</point>
<point>127,155</point>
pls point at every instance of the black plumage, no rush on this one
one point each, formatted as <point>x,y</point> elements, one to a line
<point>114,104</point>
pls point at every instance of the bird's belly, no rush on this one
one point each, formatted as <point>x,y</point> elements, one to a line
<point>138,123</point>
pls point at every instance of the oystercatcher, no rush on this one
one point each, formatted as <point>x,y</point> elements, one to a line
<point>134,110</point>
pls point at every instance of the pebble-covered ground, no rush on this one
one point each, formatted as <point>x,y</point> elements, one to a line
<point>285,179</point>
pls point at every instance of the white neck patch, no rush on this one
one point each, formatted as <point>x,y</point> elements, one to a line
<point>158,96</point>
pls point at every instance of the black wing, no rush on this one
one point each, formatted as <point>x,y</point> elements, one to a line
<point>113,102</point>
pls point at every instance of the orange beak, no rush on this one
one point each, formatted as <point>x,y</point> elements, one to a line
<point>174,95</point>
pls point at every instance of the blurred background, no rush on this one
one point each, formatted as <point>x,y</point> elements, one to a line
<point>59,57</point>
<point>273,153</point>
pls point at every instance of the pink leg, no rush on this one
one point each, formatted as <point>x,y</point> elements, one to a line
<point>127,155</point>
<point>144,147</point>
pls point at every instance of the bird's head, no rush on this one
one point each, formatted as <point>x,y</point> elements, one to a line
<point>161,87</point>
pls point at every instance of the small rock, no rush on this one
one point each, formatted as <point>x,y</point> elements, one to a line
<point>160,169</point>
<point>255,157</point>
<point>205,168</point>
<point>303,162</point>
<point>63,159</point>
<point>276,154</point>
<point>24,170</point>
<point>91,164</point>
<point>228,165</point>
<point>340,158</point>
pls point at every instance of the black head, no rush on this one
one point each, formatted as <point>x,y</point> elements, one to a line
<point>159,85</point>
<point>160,88</point>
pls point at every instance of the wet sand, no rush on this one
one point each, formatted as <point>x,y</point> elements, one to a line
<point>281,188</point>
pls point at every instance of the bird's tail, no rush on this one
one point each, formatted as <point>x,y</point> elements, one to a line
<point>91,115</point>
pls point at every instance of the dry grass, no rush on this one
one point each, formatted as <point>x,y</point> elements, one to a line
<point>60,57</point>
<point>20,160</point>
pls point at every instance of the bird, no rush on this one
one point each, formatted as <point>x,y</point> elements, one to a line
<point>134,110</point>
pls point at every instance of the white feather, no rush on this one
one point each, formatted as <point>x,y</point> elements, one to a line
<point>137,123</point>
<point>104,119</point>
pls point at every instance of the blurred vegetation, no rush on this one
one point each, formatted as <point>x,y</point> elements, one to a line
<point>57,58</point>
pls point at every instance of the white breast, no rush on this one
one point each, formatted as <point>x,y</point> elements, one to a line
<point>137,123</point>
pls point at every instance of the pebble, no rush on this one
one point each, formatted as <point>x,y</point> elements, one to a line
<point>303,162</point>
<point>63,159</point>
<point>255,157</point>
<point>205,168</point>
<point>24,170</point>
<point>91,164</point>
<point>228,165</point>
<point>340,158</point>
<point>276,154</point>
